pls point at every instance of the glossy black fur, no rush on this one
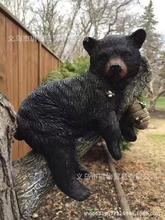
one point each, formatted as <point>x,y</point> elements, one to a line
<point>52,118</point>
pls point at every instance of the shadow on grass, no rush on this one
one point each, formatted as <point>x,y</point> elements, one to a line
<point>158,114</point>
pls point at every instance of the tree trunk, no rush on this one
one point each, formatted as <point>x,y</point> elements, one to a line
<point>9,209</point>
<point>78,5</point>
<point>32,178</point>
<point>152,107</point>
<point>154,99</point>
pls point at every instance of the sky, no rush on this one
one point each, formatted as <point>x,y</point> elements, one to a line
<point>159,6</point>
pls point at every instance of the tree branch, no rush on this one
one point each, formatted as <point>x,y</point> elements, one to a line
<point>116,15</point>
<point>71,26</point>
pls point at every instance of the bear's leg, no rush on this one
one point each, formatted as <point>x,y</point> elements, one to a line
<point>62,162</point>
<point>127,127</point>
<point>110,131</point>
<point>129,133</point>
<point>81,171</point>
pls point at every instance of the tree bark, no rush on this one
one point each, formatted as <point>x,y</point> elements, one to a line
<point>9,209</point>
<point>23,185</point>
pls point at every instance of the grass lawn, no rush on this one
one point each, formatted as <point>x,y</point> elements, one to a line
<point>160,104</point>
<point>157,138</point>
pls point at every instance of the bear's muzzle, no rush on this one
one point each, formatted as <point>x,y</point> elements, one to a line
<point>117,67</point>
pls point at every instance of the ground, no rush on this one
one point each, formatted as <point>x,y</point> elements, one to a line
<point>144,165</point>
<point>141,172</point>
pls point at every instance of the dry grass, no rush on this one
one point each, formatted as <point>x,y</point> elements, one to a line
<point>144,169</point>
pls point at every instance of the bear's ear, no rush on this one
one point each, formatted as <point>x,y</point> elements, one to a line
<point>89,43</point>
<point>138,37</point>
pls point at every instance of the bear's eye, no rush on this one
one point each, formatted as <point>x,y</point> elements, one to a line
<point>103,55</point>
<point>127,53</point>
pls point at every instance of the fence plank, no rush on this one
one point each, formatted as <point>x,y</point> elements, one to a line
<point>23,65</point>
<point>2,54</point>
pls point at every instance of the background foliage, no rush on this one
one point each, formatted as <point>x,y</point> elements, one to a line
<point>69,69</point>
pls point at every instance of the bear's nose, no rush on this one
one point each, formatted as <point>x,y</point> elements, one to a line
<point>116,68</point>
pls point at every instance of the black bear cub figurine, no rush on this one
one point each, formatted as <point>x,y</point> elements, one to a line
<point>55,115</point>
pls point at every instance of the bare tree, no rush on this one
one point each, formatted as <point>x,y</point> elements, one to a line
<point>153,50</point>
<point>62,25</point>
<point>48,23</point>
<point>157,85</point>
<point>71,21</point>
<point>118,10</point>
<point>97,18</point>
<point>125,23</point>
<point>101,16</point>
<point>21,9</point>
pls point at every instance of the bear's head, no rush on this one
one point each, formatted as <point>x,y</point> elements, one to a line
<point>115,57</point>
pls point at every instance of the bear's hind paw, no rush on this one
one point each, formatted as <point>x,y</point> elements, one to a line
<point>78,191</point>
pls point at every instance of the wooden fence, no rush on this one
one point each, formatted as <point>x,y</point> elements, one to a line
<point>24,62</point>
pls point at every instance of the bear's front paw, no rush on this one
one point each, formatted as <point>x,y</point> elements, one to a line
<point>78,191</point>
<point>115,151</point>
<point>129,134</point>
<point>82,172</point>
